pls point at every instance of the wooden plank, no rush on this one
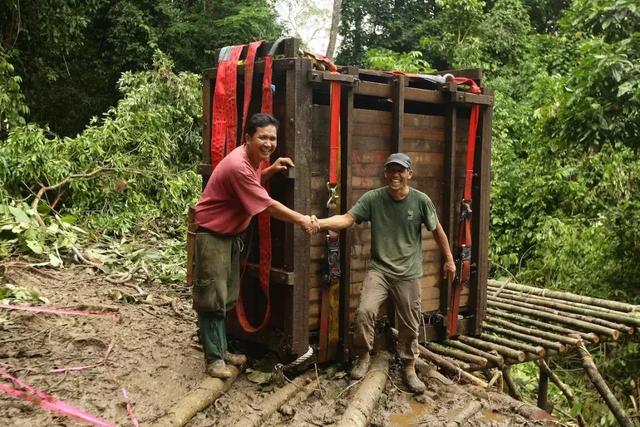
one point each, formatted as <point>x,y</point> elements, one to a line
<point>480,257</point>
<point>398,86</point>
<point>448,219</point>
<point>471,98</point>
<point>346,136</point>
<point>278,275</point>
<point>424,95</point>
<point>381,90</point>
<point>298,136</point>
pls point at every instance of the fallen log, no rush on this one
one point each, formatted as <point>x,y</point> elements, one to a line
<point>587,336</point>
<point>528,411</point>
<point>527,348</point>
<point>602,387</point>
<point>576,307</point>
<point>590,319</point>
<point>460,416</point>
<point>533,332</point>
<point>492,357</point>
<point>528,338</point>
<point>359,410</point>
<point>612,333</point>
<point>614,305</point>
<point>457,354</point>
<point>564,388</point>
<point>506,351</point>
<point>206,392</point>
<point>273,402</point>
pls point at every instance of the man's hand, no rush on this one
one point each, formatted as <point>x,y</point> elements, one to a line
<point>310,225</point>
<point>449,269</point>
<point>282,163</point>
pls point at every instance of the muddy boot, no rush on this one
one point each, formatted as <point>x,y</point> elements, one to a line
<point>219,369</point>
<point>361,367</point>
<point>235,359</point>
<point>411,378</point>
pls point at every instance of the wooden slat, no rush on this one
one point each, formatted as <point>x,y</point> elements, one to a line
<point>398,86</point>
<point>448,222</point>
<point>381,90</point>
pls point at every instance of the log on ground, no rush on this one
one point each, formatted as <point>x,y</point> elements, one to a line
<point>359,410</point>
<point>199,398</point>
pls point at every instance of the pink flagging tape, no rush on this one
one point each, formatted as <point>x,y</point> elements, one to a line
<point>50,310</point>
<point>133,418</point>
<point>40,398</point>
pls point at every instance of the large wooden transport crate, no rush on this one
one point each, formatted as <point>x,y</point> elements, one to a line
<point>381,113</point>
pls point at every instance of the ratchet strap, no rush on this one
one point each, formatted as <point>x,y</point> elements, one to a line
<point>462,253</point>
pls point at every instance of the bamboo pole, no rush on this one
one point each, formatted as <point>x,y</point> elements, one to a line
<point>587,336</point>
<point>614,305</point>
<point>543,390</point>
<point>360,408</point>
<point>494,357</point>
<point>506,351</point>
<point>603,313</point>
<point>528,348</point>
<point>612,333</point>
<point>528,338</point>
<point>602,387</point>
<point>564,388</point>
<point>457,354</point>
<point>534,332</point>
<point>511,386</point>
<point>273,402</point>
<point>595,320</point>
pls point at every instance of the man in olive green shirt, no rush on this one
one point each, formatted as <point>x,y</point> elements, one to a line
<point>396,213</point>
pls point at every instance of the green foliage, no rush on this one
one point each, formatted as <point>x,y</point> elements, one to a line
<point>134,166</point>
<point>20,232</point>
<point>11,294</point>
<point>70,54</point>
<point>12,102</point>
<point>385,59</point>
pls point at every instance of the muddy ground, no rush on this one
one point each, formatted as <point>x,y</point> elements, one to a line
<point>143,339</point>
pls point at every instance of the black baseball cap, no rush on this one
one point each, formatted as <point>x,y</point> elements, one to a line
<point>400,159</point>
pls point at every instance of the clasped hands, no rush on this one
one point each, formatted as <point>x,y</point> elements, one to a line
<point>310,225</point>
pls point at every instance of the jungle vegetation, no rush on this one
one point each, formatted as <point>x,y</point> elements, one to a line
<point>100,121</point>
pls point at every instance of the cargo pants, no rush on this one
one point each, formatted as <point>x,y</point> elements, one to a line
<point>216,284</point>
<point>406,296</point>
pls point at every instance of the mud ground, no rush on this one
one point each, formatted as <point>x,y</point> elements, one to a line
<point>144,341</point>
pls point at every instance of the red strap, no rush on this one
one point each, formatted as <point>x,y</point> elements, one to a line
<point>334,132</point>
<point>264,223</point>
<point>224,113</point>
<point>464,227</point>
<point>248,80</point>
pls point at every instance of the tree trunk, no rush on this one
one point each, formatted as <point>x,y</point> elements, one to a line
<point>333,32</point>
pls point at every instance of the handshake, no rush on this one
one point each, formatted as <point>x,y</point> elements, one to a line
<point>310,224</point>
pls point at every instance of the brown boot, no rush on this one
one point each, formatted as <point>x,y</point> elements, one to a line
<point>411,378</point>
<point>219,369</point>
<point>235,359</point>
<point>361,366</point>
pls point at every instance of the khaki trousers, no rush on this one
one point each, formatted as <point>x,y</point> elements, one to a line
<point>406,295</point>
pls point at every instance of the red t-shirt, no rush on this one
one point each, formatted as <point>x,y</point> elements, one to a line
<point>232,196</point>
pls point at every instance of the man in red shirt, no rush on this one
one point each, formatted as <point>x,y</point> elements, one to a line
<point>233,195</point>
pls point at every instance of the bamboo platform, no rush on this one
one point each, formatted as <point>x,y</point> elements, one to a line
<point>525,323</point>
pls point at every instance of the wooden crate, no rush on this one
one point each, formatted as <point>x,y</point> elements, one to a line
<point>381,113</point>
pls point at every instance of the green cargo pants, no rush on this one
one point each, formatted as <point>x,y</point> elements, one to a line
<point>216,285</point>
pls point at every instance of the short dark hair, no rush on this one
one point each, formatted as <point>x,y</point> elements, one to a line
<point>260,120</point>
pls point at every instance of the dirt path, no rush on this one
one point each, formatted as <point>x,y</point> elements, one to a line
<point>155,357</point>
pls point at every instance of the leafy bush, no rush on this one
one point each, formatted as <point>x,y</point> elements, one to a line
<point>134,166</point>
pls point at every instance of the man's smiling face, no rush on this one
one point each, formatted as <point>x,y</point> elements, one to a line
<point>397,176</point>
<point>262,144</point>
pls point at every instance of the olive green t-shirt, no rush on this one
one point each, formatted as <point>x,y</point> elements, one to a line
<point>396,243</point>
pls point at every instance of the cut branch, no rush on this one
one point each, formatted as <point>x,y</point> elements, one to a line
<point>602,387</point>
